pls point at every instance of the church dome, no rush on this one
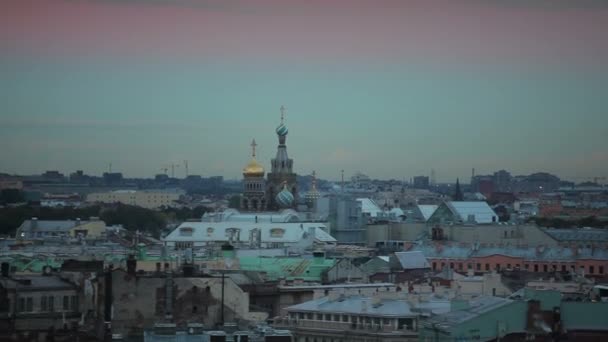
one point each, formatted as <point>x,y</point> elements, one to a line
<point>282,130</point>
<point>253,169</point>
<point>284,198</point>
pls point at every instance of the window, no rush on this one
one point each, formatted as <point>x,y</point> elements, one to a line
<point>563,268</point>
<point>434,265</point>
<point>74,303</point>
<point>451,265</point>
<point>277,232</point>
<point>535,268</point>
<point>469,266</point>
<point>478,266</point>
<point>487,267</point>
<point>527,266</point>
<point>51,303</point>
<point>43,306</point>
<point>30,304</point>
<point>545,268</point>
<point>21,306</point>
<point>460,266</point>
<point>591,270</point>
<point>601,270</point>
<point>508,266</point>
<point>66,303</point>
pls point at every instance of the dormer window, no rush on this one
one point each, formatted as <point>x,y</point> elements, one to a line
<point>186,231</point>
<point>209,231</point>
<point>277,232</point>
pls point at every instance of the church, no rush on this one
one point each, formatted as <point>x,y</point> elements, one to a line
<point>279,189</point>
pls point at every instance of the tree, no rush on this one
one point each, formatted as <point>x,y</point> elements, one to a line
<point>457,192</point>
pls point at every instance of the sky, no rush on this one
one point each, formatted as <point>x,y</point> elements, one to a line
<point>390,88</point>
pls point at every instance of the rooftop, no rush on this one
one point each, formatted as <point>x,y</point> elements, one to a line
<point>477,307</point>
<point>356,305</point>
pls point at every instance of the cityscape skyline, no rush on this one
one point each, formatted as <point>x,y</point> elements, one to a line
<point>389,88</point>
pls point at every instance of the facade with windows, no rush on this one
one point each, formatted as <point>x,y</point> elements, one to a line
<point>283,229</point>
<point>36,303</point>
<point>340,318</point>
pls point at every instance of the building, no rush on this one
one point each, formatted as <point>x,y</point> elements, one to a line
<point>421,182</point>
<point>529,315</point>
<point>140,301</point>
<point>254,185</point>
<point>37,304</point>
<point>149,199</point>
<point>47,230</point>
<point>281,185</point>
<point>345,217</point>
<point>461,212</point>
<point>283,229</point>
<point>539,259</point>
<point>354,318</point>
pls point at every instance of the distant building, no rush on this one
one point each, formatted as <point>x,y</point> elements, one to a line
<point>461,212</point>
<point>150,199</point>
<point>35,229</point>
<point>345,217</point>
<point>421,182</point>
<point>252,230</point>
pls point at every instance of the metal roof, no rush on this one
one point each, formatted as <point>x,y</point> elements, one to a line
<point>477,307</point>
<point>356,305</point>
<point>427,210</point>
<point>412,260</point>
<point>578,234</point>
<point>480,211</point>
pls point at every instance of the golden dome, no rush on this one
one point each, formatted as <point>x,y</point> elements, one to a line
<point>253,168</point>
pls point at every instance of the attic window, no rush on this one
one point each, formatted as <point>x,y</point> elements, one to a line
<point>186,231</point>
<point>209,231</point>
<point>277,232</point>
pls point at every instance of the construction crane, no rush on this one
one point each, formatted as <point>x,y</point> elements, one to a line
<point>172,166</point>
<point>186,167</point>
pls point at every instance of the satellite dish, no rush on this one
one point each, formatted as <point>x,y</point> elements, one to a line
<point>46,270</point>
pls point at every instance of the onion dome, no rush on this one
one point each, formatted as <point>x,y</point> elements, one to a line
<point>285,198</point>
<point>282,130</point>
<point>312,195</point>
<point>253,169</point>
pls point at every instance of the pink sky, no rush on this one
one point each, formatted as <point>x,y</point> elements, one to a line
<point>307,31</point>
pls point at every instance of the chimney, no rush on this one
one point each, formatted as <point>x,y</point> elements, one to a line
<point>5,269</point>
<point>318,258</point>
<point>131,265</point>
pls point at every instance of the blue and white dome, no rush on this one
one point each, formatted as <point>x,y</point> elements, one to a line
<point>282,130</point>
<point>284,198</point>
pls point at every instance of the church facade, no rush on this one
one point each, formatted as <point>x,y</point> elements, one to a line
<point>279,190</point>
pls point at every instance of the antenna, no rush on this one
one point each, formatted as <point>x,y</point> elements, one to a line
<point>110,167</point>
<point>186,167</point>
<point>282,113</point>
<point>433,180</point>
<point>342,171</point>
